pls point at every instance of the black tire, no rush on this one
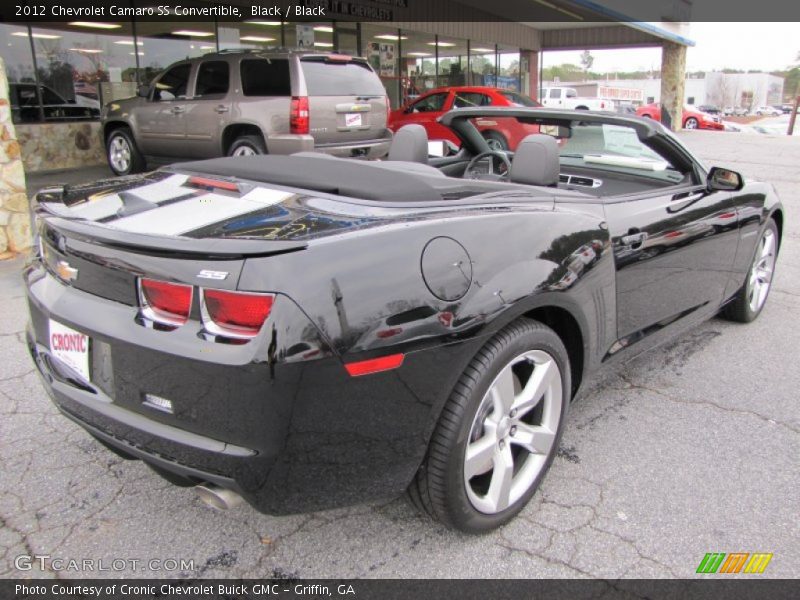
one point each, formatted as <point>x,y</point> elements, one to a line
<point>253,143</point>
<point>739,308</point>
<point>496,140</point>
<point>438,488</point>
<point>691,123</point>
<point>115,141</point>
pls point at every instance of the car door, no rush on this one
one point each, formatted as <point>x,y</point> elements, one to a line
<point>674,253</point>
<point>426,110</point>
<point>673,245</point>
<point>161,120</point>
<point>208,110</point>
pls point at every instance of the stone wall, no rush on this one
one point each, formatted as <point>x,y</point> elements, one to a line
<point>15,229</point>
<point>50,146</point>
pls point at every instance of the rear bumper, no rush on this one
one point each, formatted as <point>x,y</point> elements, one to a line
<point>291,144</point>
<point>364,148</point>
<point>289,436</point>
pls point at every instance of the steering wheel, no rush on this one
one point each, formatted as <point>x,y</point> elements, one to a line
<point>471,173</point>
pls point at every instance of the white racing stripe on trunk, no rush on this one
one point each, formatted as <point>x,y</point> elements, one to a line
<point>107,206</point>
<point>191,214</point>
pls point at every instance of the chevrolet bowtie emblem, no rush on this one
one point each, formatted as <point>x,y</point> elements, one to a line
<point>65,271</point>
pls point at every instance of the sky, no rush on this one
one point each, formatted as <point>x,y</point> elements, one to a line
<point>759,46</point>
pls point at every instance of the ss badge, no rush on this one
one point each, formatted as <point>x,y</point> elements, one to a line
<point>217,275</point>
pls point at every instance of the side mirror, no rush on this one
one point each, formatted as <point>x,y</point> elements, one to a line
<point>143,91</point>
<point>724,180</point>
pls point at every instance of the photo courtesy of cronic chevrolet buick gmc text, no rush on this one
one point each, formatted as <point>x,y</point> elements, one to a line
<point>246,102</point>
<point>304,332</point>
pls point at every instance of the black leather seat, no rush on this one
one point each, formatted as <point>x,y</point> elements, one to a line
<point>410,144</point>
<point>536,161</point>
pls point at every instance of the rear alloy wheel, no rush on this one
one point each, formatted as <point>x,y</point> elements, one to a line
<point>750,299</point>
<point>247,145</point>
<point>691,123</point>
<point>496,141</point>
<point>498,432</point>
<point>122,153</point>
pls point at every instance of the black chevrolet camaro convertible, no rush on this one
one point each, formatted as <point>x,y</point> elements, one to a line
<point>305,331</point>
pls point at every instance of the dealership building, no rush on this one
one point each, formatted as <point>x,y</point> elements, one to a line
<point>60,73</point>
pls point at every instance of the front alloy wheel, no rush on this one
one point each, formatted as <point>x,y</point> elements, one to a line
<point>760,278</point>
<point>691,123</point>
<point>748,302</point>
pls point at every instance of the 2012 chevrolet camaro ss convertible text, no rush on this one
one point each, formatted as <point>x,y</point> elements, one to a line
<point>307,331</point>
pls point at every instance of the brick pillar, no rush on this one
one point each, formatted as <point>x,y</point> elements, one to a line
<point>15,226</point>
<point>530,77</point>
<point>673,80</point>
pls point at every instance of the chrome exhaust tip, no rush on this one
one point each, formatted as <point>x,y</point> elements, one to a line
<point>217,497</point>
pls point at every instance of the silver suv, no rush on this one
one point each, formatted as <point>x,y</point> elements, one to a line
<point>237,103</point>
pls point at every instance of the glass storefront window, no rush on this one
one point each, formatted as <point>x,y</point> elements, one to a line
<point>19,70</point>
<point>482,63</point>
<point>347,38</point>
<point>451,62</point>
<point>162,43</point>
<point>81,68</point>
<point>309,36</point>
<point>508,68</point>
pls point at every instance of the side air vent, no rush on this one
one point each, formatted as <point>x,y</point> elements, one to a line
<point>581,181</point>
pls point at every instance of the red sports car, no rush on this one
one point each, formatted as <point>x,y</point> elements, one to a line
<point>692,119</point>
<point>500,133</point>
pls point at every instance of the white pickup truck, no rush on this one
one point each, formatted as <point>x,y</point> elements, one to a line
<point>566,97</point>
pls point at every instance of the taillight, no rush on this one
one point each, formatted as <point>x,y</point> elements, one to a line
<point>298,115</point>
<point>165,302</point>
<point>235,314</point>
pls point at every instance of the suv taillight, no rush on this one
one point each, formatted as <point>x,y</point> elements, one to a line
<point>298,115</point>
<point>235,314</point>
<point>164,302</point>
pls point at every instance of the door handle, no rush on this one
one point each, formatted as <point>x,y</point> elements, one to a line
<point>176,110</point>
<point>632,239</point>
<point>221,109</point>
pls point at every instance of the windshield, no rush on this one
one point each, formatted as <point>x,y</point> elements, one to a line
<point>614,148</point>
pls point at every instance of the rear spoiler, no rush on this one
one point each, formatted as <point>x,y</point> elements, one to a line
<point>213,248</point>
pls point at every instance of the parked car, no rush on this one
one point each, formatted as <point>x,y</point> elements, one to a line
<point>625,109</point>
<point>692,119</point>
<point>25,105</point>
<point>307,331</point>
<point>567,97</point>
<point>501,134</point>
<point>769,111</point>
<point>240,103</point>
<point>709,109</point>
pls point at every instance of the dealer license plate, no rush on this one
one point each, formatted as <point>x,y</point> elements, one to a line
<point>70,347</point>
<point>352,120</point>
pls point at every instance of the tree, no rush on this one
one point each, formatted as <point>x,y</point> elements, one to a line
<point>587,60</point>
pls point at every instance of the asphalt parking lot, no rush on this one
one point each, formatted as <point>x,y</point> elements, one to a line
<point>692,448</point>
